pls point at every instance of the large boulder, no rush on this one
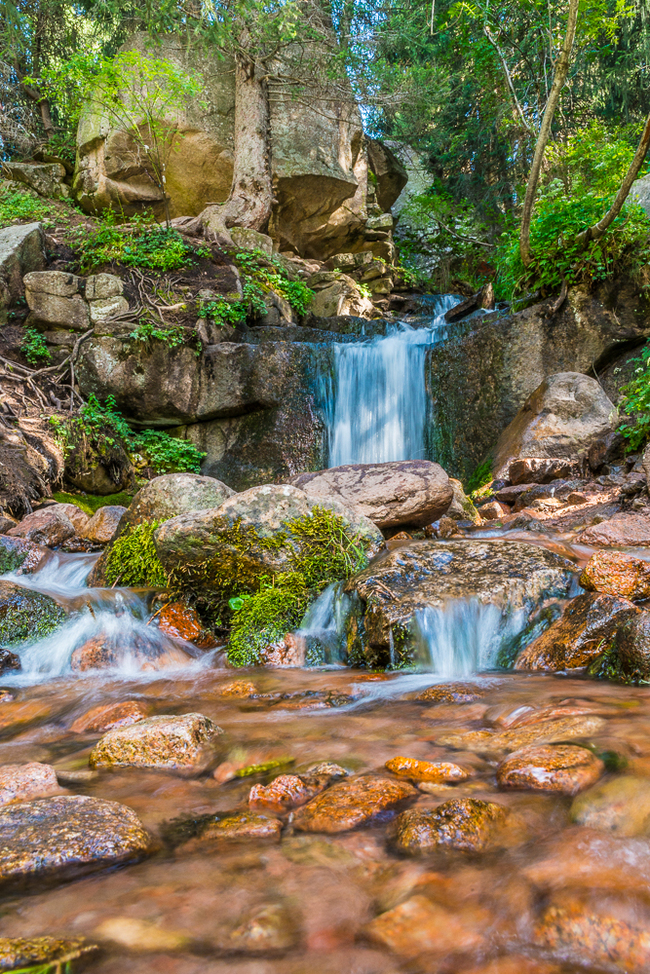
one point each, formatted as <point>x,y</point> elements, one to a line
<point>404,492</point>
<point>45,178</point>
<point>508,356</point>
<point>21,251</point>
<point>415,586</point>
<point>67,835</point>
<point>253,531</point>
<point>390,175</point>
<point>560,419</point>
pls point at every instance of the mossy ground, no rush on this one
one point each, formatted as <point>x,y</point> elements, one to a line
<point>91,503</point>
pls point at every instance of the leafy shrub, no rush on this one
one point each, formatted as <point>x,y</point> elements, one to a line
<point>132,559</point>
<point>140,243</point>
<point>224,312</point>
<point>636,403</point>
<point>165,453</point>
<point>34,348</point>
<point>147,330</point>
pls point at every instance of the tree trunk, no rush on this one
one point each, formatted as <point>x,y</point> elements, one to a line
<point>559,78</point>
<point>251,196</point>
<point>598,229</point>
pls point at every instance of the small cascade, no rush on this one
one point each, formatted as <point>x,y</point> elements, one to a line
<point>374,400</point>
<point>464,637</point>
<point>323,627</point>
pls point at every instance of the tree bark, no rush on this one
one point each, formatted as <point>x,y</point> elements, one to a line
<point>559,78</point>
<point>598,229</point>
<point>251,195</point>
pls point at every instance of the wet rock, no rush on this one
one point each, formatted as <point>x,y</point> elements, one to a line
<point>180,621</point>
<point>632,647</point>
<point>548,496</point>
<point>140,935</point>
<point>558,420</point>
<point>109,651</point>
<point>268,929</point>
<point>107,716</point>
<point>47,527</point>
<point>540,470</point>
<point>452,693</point>
<point>103,524</point>
<point>493,510</point>
<point>404,492</point>
<point>515,964</point>
<point>419,926</point>
<point>353,802</point>
<point>67,835</point>
<point>238,688</point>
<point>163,498</point>
<point>601,936</point>
<point>183,744</point>
<point>288,791</point>
<point>246,826</point>
<point>440,771</point>
<point>621,805</point>
<point>240,530</point>
<point>544,732</point>
<point>23,782</point>
<point>462,823</point>
<point>621,529</point>
<point>587,624</point>
<point>25,614</point>
<point>563,768</point>
<point>617,573</point>
<point>47,953</point>
<point>8,661</point>
<point>427,574</point>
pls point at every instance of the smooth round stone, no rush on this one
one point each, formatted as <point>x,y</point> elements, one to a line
<point>462,823</point>
<point>439,771</point>
<point>67,835</point>
<point>564,768</point>
<point>452,693</point>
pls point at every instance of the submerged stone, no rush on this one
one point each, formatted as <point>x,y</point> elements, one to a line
<point>180,621</point>
<point>442,771</point>
<point>47,953</point>
<point>543,732</point>
<point>105,651</point>
<point>562,768</point>
<point>25,614</point>
<point>270,928</point>
<point>67,835</point>
<point>351,803</point>
<point>246,826</point>
<point>632,647</point>
<point>287,791</point>
<point>462,823</point>
<point>420,927</point>
<point>23,782</point>
<point>107,716</point>
<point>621,805</point>
<point>182,745</point>
<point>452,693</point>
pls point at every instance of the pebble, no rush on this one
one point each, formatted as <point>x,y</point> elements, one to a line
<point>287,791</point>
<point>440,771</point>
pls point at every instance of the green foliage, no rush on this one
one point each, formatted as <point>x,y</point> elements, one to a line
<point>148,330</point>
<point>24,206</point>
<point>132,559</point>
<point>33,347</point>
<point>165,453</point>
<point>223,312</point>
<point>91,503</point>
<point>636,403</point>
<point>481,476</point>
<point>139,243</point>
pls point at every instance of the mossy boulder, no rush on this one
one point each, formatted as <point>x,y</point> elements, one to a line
<point>26,615</point>
<point>18,553</point>
<point>162,498</point>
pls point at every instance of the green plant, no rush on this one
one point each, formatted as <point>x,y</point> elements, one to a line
<point>132,559</point>
<point>139,243</point>
<point>147,330</point>
<point>479,478</point>
<point>17,205</point>
<point>364,290</point>
<point>33,347</point>
<point>165,453</point>
<point>223,312</point>
<point>636,403</point>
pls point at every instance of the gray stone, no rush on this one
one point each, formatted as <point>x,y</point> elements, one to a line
<point>404,492</point>
<point>21,251</point>
<point>59,284</point>
<point>54,300</point>
<point>390,174</point>
<point>46,178</point>
<point>246,239</point>
<point>102,286</point>
<point>640,193</point>
<point>104,309</point>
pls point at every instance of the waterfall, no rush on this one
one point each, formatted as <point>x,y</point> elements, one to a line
<point>375,401</point>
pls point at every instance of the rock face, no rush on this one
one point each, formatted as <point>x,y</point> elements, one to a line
<point>21,251</point>
<point>243,527</point>
<point>53,837</point>
<point>250,408</point>
<point>406,492</point>
<point>617,573</point>
<point>507,357</point>
<point>351,803</point>
<point>563,768</point>
<point>462,823</point>
<point>578,637</point>
<point>183,745</point>
<point>46,178</point>
<point>426,574</point>
<point>320,206</point>
<point>560,419</point>
<point>25,614</point>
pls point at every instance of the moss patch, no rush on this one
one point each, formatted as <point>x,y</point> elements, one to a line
<point>91,503</point>
<point>132,559</point>
<point>27,615</point>
<point>267,616</point>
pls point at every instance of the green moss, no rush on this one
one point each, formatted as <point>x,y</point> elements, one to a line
<point>91,503</point>
<point>266,617</point>
<point>609,666</point>
<point>132,559</point>
<point>27,615</point>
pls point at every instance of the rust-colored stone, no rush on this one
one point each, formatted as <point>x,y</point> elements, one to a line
<point>182,622</point>
<point>107,716</point>
<point>238,688</point>
<point>419,926</point>
<point>103,652</point>
<point>617,573</point>
<point>353,802</point>
<point>287,791</point>
<point>599,936</point>
<point>246,826</point>
<point>462,823</point>
<point>440,771</point>
<point>564,768</point>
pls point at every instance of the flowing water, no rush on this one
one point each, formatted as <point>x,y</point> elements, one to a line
<point>374,399</point>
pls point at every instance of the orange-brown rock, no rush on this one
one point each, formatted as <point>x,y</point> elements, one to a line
<point>493,511</point>
<point>104,652</point>
<point>419,926</point>
<point>606,935</point>
<point>287,791</point>
<point>617,573</point>
<point>246,826</point>
<point>22,782</point>
<point>182,744</point>
<point>238,688</point>
<point>563,767</point>
<point>452,693</point>
<point>621,529</point>
<point>620,805</point>
<point>45,527</point>
<point>440,771</point>
<point>353,802</point>
<point>182,622</point>
<point>109,715</point>
<point>515,964</point>
<point>462,823</point>
<point>587,624</point>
